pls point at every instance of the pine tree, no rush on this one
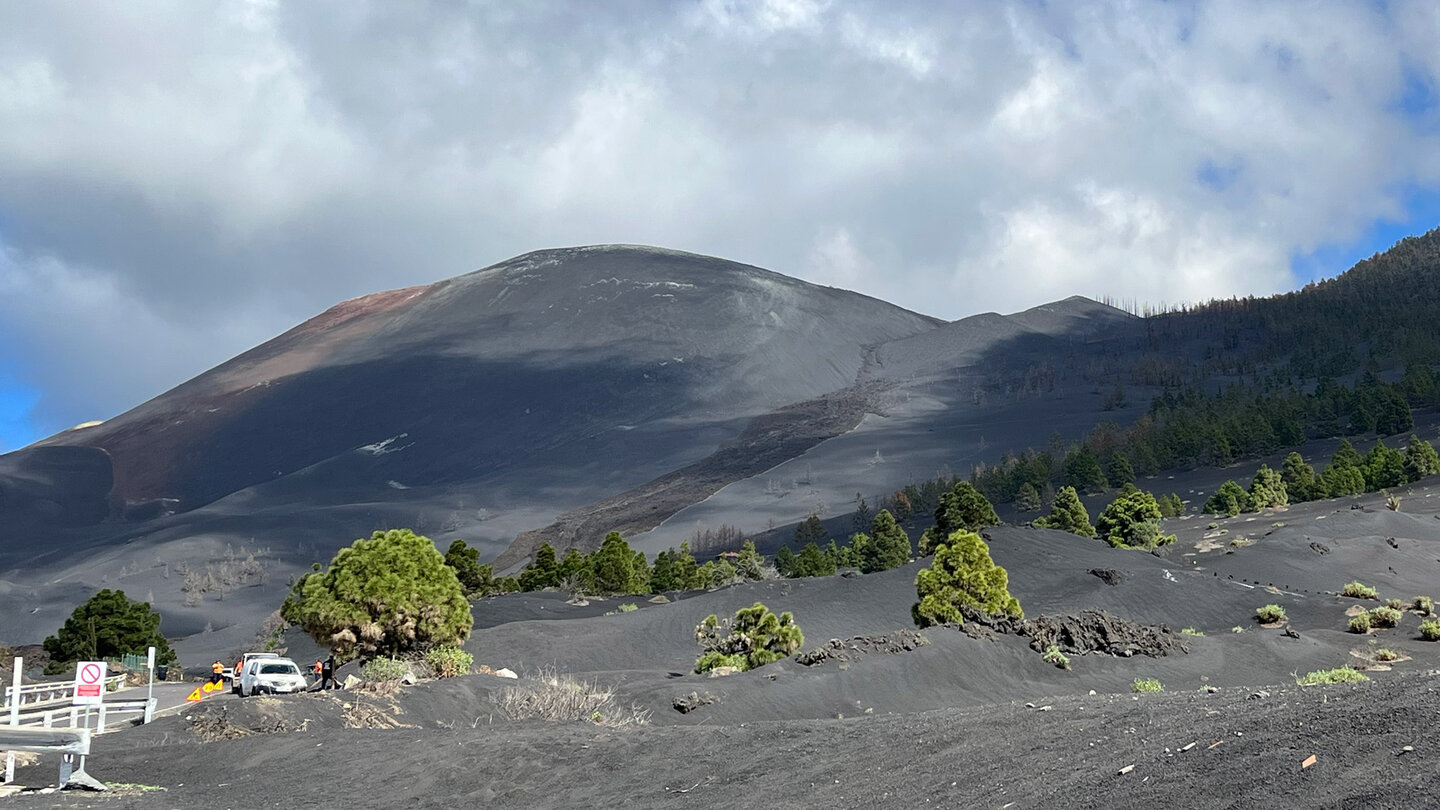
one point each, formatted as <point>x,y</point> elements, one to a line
<point>1119,472</point>
<point>1083,472</point>
<point>1267,489</point>
<point>1384,468</point>
<point>963,507</point>
<point>962,574</point>
<point>1028,499</point>
<point>785,562</point>
<point>477,580</point>
<point>812,562</point>
<point>1068,514</point>
<point>890,542</point>
<point>750,564</point>
<point>810,530</point>
<point>1299,479</point>
<point>1230,499</point>
<point>544,572</point>
<point>107,625</point>
<point>1420,457</point>
<point>1132,521</point>
<point>616,568</point>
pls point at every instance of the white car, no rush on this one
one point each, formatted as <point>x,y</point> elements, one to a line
<point>233,674</point>
<point>267,676</point>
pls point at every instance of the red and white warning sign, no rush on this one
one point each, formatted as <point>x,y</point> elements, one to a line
<point>89,683</point>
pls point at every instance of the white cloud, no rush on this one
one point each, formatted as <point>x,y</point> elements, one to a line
<point>169,167</point>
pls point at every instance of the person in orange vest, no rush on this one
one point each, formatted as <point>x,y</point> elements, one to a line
<point>217,672</point>
<point>319,668</point>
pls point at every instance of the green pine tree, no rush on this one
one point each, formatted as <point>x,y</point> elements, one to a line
<point>1119,472</point>
<point>962,574</point>
<point>963,507</point>
<point>1132,521</point>
<point>1267,489</point>
<point>544,572</point>
<point>1230,499</point>
<point>1299,478</point>
<point>1068,514</point>
<point>1421,459</point>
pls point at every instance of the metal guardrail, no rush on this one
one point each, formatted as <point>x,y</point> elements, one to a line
<point>69,742</point>
<point>32,695</point>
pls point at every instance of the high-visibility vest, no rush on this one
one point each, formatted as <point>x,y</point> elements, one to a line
<point>318,667</point>
<point>217,668</point>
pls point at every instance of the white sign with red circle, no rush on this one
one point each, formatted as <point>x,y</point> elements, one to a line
<point>89,683</point>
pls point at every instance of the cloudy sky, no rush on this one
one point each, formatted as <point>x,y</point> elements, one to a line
<point>182,180</point>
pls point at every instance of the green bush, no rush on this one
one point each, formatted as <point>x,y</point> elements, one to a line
<point>1337,675</point>
<point>754,638</point>
<point>384,669</point>
<point>1270,614</point>
<point>446,661</point>
<point>1359,590</point>
<point>1054,656</point>
<point>627,607</point>
<point>1385,617</point>
<point>1191,631</point>
<point>1424,605</point>
<point>384,595</point>
<point>1385,654</point>
<point>962,574</point>
<point>1430,631</point>
<point>1360,623</point>
<point>1146,685</point>
<point>1395,604</point>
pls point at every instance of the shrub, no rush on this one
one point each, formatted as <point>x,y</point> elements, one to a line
<point>1385,654</point>
<point>628,607</point>
<point>1385,617</point>
<point>1269,614</point>
<point>565,699</point>
<point>1359,590</point>
<point>1424,605</point>
<point>107,625</point>
<point>1430,631</point>
<point>962,574</point>
<point>1054,656</point>
<point>754,638</point>
<point>1337,675</point>
<point>446,661</point>
<point>1395,604</point>
<point>1267,489</point>
<point>1360,623</point>
<point>1146,685</point>
<point>384,669</point>
<point>384,595</point>
<point>1191,631</point>
<point>1237,629</point>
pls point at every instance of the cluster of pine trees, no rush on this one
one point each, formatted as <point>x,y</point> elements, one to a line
<point>886,545</point>
<point>614,568</point>
<point>1348,473</point>
<point>1132,520</point>
<point>1192,428</point>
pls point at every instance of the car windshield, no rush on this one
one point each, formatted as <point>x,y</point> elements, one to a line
<point>279,669</point>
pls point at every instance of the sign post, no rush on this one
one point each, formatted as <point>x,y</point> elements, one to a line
<point>150,693</point>
<point>89,690</point>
